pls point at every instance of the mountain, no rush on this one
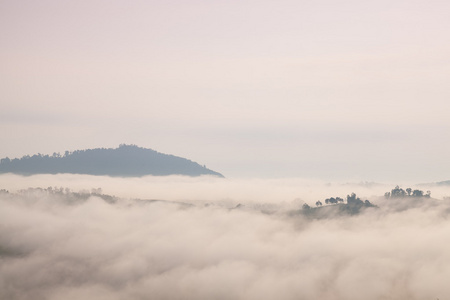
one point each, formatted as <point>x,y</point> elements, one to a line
<point>431,184</point>
<point>443,183</point>
<point>125,161</point>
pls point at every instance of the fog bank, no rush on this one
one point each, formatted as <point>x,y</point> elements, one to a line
<point>54,247</point>
<point>210,188</point>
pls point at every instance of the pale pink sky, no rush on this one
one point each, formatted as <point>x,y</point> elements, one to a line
<point>328,89</point>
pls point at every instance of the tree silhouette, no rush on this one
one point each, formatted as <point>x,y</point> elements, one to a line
<point>408,190</point>
<point>398,192</point>
<point>417,193</point>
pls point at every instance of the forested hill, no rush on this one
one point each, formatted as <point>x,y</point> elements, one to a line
<point>126,161</point>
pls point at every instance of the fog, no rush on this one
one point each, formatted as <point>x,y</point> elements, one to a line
<point>200,244</point>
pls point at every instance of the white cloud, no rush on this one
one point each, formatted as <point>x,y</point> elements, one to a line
<point>134,250</point>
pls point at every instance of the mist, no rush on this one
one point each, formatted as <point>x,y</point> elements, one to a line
<point>197,242</point>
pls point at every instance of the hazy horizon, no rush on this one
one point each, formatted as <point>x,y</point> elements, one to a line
<point>211,188</point>
<point>317,175</point>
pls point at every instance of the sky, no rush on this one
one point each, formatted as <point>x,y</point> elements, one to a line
<point>314,89</point>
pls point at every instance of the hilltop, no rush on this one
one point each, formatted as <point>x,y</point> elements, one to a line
<point>124,161</point>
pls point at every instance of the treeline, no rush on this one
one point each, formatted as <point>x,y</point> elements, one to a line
<point>64,194</point>
<point>351,200</point>
<point>353,204</point>
<point>398,192</point>
<point>126,161</point>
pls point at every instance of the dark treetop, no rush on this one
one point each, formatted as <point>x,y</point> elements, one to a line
<point>127,161</point>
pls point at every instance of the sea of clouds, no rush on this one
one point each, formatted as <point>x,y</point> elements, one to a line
<point>215,238</point>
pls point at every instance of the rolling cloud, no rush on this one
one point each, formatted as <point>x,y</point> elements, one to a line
<point>58,245</point>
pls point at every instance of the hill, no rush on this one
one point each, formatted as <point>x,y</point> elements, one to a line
<point>335,207</point>
<point>124,161</point>
<point>440,183</point>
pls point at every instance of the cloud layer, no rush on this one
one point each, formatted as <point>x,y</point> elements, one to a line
<point>54,246</point>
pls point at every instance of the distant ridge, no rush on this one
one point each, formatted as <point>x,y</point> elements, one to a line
<point>440,183</point>
<point>124,161</point>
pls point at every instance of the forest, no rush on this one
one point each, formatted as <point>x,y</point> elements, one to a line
<point>124,161</point>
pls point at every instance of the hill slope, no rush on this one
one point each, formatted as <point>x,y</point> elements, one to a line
<point>127,161</point>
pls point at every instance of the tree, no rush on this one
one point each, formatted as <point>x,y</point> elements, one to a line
<point>318,203</point>
<point>398,192</point>
<point>353,200</point>
<point>417,193</point>
<point>409,190</point>
<point>5,160</point>
<point>333,200</point>
<point>306,206</point>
